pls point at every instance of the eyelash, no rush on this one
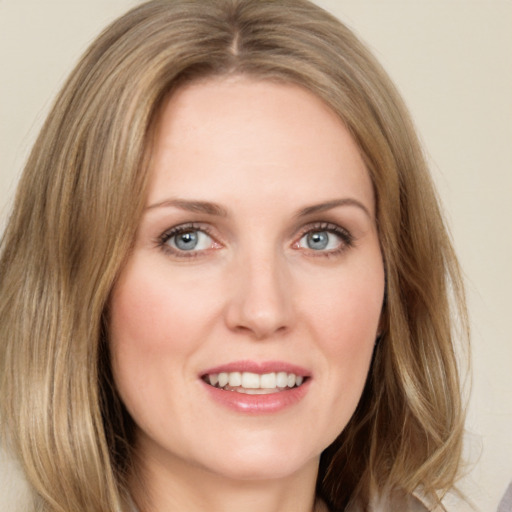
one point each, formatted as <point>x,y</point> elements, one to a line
<point>347,240</point>
<point>178,230</point>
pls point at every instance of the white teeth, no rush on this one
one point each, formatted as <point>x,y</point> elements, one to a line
<point>252,391</point>
<point>235,379</point>
<point>223,379</point>
<point>250,380</point>
<point>282,379</point>
<point>253,383</point>
<point>268,380</point>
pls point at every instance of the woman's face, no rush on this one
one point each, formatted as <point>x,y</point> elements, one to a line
<point>257,262</point>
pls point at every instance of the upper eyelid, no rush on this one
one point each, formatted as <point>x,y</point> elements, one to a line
<point>345,237</point>
<point>208,229</point>
<point>162,240</point>
<point>184,227</point>
<point>321,225</point>
<point>324,226</point>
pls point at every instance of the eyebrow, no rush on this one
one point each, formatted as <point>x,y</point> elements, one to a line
<point>329,205</point>
<point>210,208</point>
<point>192,206</point>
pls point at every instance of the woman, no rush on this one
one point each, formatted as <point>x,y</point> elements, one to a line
<point>225,282</point>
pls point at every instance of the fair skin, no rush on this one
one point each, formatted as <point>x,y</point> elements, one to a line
<point>257,254</point>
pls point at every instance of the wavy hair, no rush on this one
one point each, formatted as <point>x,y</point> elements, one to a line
<point>77,208</point>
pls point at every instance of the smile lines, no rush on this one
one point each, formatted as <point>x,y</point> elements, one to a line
<point>254,383</point>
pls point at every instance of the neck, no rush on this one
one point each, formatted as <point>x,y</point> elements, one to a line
<point>158,487</point>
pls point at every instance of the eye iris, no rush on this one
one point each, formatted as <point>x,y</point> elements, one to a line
<point>186,241</point>
<point>318,240</point>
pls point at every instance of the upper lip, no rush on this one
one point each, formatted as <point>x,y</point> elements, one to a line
<point>260,367</point>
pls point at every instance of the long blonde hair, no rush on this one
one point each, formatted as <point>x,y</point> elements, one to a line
<point>77,208</point>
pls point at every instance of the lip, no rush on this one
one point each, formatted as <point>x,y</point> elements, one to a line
<point>257,404</point>
<point>258,367</point>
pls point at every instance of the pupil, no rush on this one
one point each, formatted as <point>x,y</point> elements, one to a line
<point>186,241</point>
<point>318,240</point>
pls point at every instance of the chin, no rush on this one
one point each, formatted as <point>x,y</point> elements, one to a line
<point>261,470</point>
<point>256,461</point>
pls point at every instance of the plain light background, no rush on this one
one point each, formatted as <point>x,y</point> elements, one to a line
<point>452,61</point>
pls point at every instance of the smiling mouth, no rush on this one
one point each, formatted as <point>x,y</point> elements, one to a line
<point>254,383</point>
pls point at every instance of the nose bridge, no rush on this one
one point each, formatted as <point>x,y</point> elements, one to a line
<point>261,301</point>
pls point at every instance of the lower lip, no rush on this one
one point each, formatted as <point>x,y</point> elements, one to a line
<point>258,404</point>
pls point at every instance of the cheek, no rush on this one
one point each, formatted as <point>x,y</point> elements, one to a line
<point>345,320</point>
<point>353,320</point>
<point>155,327</point>
<point>346,309</point>
<point>152,311</point>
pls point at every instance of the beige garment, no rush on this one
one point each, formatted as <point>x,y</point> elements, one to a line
<point>409,504</point>
<point>402,504</point>
<point>396,503</point>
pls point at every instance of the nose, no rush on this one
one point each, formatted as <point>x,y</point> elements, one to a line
<point>260,300</point>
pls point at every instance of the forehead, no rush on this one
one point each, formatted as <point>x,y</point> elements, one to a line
<point>234,135</point>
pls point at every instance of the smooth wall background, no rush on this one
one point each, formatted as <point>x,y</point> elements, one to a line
<point>452,61</point>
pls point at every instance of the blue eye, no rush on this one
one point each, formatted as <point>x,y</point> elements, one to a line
<point>318,241</point>
<point>325,239</point>
<point>187,239</point>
